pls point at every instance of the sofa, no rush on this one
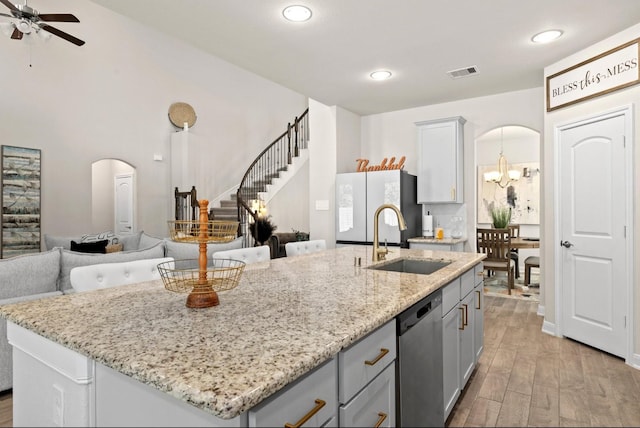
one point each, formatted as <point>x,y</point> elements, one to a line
<point>46,274</point>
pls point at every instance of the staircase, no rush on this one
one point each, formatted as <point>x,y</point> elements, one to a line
<point>265,177</point>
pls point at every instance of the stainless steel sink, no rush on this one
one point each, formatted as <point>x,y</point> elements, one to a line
<point>419,266</point>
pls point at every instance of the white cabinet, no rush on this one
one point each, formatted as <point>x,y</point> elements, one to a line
<point>440,160</point>
<point>367,387</point>
<point>309,401</point>
<point>462,333</point>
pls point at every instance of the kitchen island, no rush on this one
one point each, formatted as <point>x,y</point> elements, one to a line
<point>286,318</point>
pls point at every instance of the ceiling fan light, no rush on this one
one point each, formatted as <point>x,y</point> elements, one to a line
<point>297,13</point>
<point>24,26</point>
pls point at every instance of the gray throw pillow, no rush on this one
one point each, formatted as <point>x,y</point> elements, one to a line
<point>29,274</point>
<point>51,242</point>
<point>187,250</point>
<point>130,242</point>
<point>72,259</point>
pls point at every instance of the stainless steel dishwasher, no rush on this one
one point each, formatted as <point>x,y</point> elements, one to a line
<point>419,394</point>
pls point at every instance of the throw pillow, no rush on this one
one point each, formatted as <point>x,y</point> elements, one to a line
<point>90,247</point>
<point>108,235</point>
<point>29,274</point>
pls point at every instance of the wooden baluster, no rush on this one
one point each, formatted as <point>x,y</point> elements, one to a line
<point>296,123</point>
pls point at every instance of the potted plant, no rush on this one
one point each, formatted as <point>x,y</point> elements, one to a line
<point>262,229</point>
<point>501,216</point>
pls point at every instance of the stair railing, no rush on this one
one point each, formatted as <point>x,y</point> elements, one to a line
<point>266,166</point>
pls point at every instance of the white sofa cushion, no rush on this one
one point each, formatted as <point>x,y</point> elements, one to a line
<point>105,275</point>
<point>71,259</point>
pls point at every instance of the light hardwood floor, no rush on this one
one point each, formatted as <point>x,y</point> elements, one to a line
<point>529,378</point>
<point>526,378</point>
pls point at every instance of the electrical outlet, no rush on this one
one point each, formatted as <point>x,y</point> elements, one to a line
<point>58,406</point>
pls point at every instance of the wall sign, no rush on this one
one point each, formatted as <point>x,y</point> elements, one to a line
<point>602,74</point>
<point>386,164</point>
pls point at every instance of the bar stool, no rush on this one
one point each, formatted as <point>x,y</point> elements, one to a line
<point>530,262</point>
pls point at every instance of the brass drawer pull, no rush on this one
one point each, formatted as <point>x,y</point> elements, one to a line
<point>479,298</point>
<point>466,314</point>
<point>462,324</point>
<point>319,405</point>
<point>383,352</point>
<point>381,419</point>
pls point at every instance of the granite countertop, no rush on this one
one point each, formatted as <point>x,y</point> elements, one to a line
<point>284,318</point>
<point>443,241</point>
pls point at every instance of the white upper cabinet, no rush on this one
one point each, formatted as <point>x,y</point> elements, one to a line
<point>440,160</point>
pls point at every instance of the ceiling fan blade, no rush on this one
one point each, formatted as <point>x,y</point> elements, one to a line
<point>17,34</point>
<point>62,34</point>
<point>10,5</point>
<point>57,17</point>
<point>7,15</point>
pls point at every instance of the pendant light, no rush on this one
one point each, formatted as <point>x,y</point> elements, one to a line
<point>503,176</point>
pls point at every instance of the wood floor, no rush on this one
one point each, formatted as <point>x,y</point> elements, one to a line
<point>529,378</point>
<point>526,378</point>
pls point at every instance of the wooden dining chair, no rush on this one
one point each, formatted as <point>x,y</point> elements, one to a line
<point>514,230</point>
<point>496,244</point>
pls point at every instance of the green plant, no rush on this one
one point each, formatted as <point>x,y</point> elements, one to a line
<point>501,217</point>
<point>262,229</point>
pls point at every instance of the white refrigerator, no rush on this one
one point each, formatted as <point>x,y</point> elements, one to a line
<point>359,194</point>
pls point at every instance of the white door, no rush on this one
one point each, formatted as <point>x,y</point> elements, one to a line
<point>124,204</point>
<point>593,216</point>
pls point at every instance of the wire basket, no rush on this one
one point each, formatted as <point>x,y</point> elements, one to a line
<point>189,230</point>
<point>185,276</point>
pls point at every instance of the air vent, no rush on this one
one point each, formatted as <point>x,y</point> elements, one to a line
<point>463,72</point>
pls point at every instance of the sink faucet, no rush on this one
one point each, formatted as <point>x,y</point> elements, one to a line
<point>380,253</point>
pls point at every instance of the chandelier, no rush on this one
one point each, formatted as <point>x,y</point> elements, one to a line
<point>503,176</point>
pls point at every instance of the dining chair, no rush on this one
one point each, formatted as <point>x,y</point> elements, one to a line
<point>299,248</point>
<point>514,230</point>
<point>496,243</point>
<point>106,275</point>
<point>248,255</point>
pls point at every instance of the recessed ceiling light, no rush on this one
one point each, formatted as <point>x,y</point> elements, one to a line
<point>546,36</point>
<point>297,13</point>
<point>380,75</point>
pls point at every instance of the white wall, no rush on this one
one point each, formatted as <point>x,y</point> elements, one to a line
<point>110,99</point>
<point>629,96</point>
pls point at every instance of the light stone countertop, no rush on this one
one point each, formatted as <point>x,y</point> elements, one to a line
<point>443,241</point>
<point>284,318</point>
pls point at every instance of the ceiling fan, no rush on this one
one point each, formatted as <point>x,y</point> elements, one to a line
<point>26,20</point>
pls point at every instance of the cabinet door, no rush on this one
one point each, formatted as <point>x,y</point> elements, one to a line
<point>467,350</point>
<point>451,325</point>
<point>478,321</point>
<point>440,161</point>
<point>351,204</point>
<point>375,405</point>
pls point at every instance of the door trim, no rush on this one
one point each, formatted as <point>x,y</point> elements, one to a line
<point>628,112</point>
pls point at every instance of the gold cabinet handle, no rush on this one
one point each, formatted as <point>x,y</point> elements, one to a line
<point>453,193</point>
<point>381,418</point>
<point>466,314</point>
<point>478,307</point>
<point>462,324</point>
<point>383,352</point>
<point>319,405</point>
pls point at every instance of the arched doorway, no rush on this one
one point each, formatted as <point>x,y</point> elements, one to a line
<point>105,203</point>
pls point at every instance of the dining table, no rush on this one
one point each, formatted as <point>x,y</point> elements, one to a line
<point>524,242</point>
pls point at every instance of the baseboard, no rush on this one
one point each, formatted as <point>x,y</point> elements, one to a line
<point>549,328</point>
